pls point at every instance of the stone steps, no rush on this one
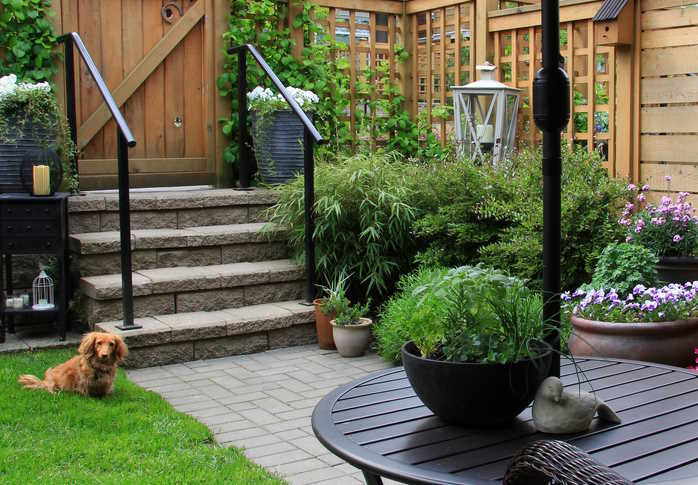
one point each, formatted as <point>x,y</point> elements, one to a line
<point>97,212</point>
<point>199,288</point>
<point>99,252</point>
<point>182,337</point>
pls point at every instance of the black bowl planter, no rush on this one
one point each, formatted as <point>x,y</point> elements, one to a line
<point>12,153</point>
<point>278,146</point>
<point>678,269</point>
<point>480,395</point>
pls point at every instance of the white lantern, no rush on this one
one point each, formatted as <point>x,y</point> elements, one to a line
<point>42,292</point>
<point>485,113</point>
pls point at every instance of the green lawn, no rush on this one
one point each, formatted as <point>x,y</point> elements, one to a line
<point>132,436</point>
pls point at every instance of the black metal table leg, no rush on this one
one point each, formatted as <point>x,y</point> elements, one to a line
<point>372,478</point>
<point>9,320</point>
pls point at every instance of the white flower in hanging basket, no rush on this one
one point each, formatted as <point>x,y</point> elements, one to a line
<point>264,100</point>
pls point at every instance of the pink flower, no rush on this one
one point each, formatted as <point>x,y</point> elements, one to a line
<point>667,178</point>
<point>631,187</point>
<point>628,239</point>
<point>645,188</point>
<point>641,197</point>
<point>677,238</point>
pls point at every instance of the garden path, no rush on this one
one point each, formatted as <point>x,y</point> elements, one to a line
<point>263,403</point>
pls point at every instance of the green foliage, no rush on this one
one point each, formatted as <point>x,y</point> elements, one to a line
<point>36,111</point>
<point>466,314</point>
<point>351,314</point>
<point>321,69</point>
<point>622,266</point>
<point>495,216</point>
<point>335,299</point>
<point>362,223</point>
<point>28,40</point>
<point>130,436</point>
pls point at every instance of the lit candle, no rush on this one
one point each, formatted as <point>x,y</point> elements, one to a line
<point>485,133</point>
<point>41,179</point>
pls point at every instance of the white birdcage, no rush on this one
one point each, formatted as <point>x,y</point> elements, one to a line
<point>42,292</point>
<point>485,116</point>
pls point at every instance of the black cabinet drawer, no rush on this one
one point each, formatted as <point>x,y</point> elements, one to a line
<point>29,211</point>
<point>26,246</point>
<point>28,227</point>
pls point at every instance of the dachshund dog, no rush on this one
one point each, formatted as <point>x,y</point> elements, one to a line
<point>90,373</point>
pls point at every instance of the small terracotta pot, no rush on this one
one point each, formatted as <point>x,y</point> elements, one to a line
<point>352,340</point>
<point>323,326</point>
<point>671,343</point>
<point>677,269</point>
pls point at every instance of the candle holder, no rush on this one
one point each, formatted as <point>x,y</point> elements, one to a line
<point>42,292</point>
<point>41,157</point>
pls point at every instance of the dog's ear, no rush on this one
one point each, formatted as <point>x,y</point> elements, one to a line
<point>120,349</point>
<point>87,346</point>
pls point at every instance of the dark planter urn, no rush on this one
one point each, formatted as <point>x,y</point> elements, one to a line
<point>670,343</point>
<point>278,146</point>
<point>678,269</point>
<point>481,395</point>
<point>12,152</point>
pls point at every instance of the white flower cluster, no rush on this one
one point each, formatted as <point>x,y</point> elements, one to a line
<point>9,86</point>
<point>260,96</point>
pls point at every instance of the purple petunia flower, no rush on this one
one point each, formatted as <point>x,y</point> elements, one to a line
<point>667,178</point>
<point>677,238</point>
<point>631,187</point>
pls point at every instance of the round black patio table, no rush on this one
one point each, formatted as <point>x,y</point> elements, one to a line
<point>377,423</point>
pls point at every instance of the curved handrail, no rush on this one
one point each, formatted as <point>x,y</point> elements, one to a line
<point>101,86</point>
<point>280,86</point>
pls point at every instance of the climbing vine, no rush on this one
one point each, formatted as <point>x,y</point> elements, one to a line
<point>27,40</point>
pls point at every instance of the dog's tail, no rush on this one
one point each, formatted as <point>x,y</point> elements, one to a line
<point>32,382</point>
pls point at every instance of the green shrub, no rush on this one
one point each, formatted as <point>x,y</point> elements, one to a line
<point>495,215</point>
<point>363,221</point>
<point>466,314</point>
<point>622,266</point>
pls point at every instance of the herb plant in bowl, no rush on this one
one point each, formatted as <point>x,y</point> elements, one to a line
<point>326,308</point>
<point>474,350</point>
<point>351,330</point>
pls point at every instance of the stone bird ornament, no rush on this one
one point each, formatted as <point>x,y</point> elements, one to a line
<point>558,411</point>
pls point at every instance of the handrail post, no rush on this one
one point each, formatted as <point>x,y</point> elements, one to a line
<point>125,230</point>
<point>309,182</point>
<point>70,97</point>
<point>244,156</point>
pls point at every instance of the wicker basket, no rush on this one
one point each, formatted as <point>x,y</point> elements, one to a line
<point>558,463</point>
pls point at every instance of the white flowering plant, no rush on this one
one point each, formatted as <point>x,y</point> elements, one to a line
<point>263,100</point>
<point>31,108</point>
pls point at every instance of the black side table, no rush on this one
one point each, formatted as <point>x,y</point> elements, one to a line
<point>35,225</point>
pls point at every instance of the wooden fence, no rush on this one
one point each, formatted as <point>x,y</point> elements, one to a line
<point>636,103</point>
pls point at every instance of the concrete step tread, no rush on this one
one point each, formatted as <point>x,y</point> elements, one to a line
<point>192,237</point>
<point>193,278</point>
<point>172,200</point>
<point>181,327</point>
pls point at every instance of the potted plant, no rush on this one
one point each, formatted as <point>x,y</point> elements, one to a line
<point>277,132</point>
<point>31,120</point>
<point>650,324</point>
<point>326,309</point>
<point>351,330</point>
<point>474,351</point>
<point>669,230</point>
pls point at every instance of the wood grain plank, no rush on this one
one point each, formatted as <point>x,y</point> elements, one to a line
<point>143,165</point>
<point>154,85</point>
<point>134,108</point>
<point>531,17</point>
<point>669,119</point>
<point>174,97</point>
<point>430,79</point>
<point>673,60</point>
<point>670,90</point>
<point>194,134</point>
<point>89,20</point>
<point>652,39</point>
<point>660,4</point>
<point>165,179</point>
<point>442,71</point>
<point>669,19</point>
<point>669,148</point>
<point>112,63</point>
<point>683,176</point>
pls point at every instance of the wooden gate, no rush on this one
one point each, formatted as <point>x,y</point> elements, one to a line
<point>159,59</point>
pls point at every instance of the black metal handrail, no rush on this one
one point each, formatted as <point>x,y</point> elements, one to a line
<point>310,135</point>
<point>125,140</point>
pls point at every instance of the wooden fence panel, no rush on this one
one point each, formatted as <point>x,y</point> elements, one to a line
<point>669,97</point>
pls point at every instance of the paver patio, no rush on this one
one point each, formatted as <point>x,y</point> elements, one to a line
<point>263,403</point>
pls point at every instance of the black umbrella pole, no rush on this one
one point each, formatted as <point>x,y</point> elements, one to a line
<point>551,101</point>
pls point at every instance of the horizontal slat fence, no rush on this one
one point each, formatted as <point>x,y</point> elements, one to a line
<point>669,96</point>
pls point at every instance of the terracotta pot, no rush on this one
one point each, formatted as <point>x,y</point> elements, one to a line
<point>323,326</point>
<point>474,394</point>
<point>678,269</point>
<point>352,340</point>
<point>671,343</point>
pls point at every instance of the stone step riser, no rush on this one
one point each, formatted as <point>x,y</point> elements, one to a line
<point>102,221</point>
<point>100,310</point>
<point>169,339</point>
<point>108,263</point>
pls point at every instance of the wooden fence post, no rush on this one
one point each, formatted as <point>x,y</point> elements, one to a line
<point>405,68</point>
<point>484,46</point>
<point>295,8</point>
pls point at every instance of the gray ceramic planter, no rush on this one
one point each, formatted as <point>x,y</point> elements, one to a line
<point>352,340</point>
<point>278,146</point>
